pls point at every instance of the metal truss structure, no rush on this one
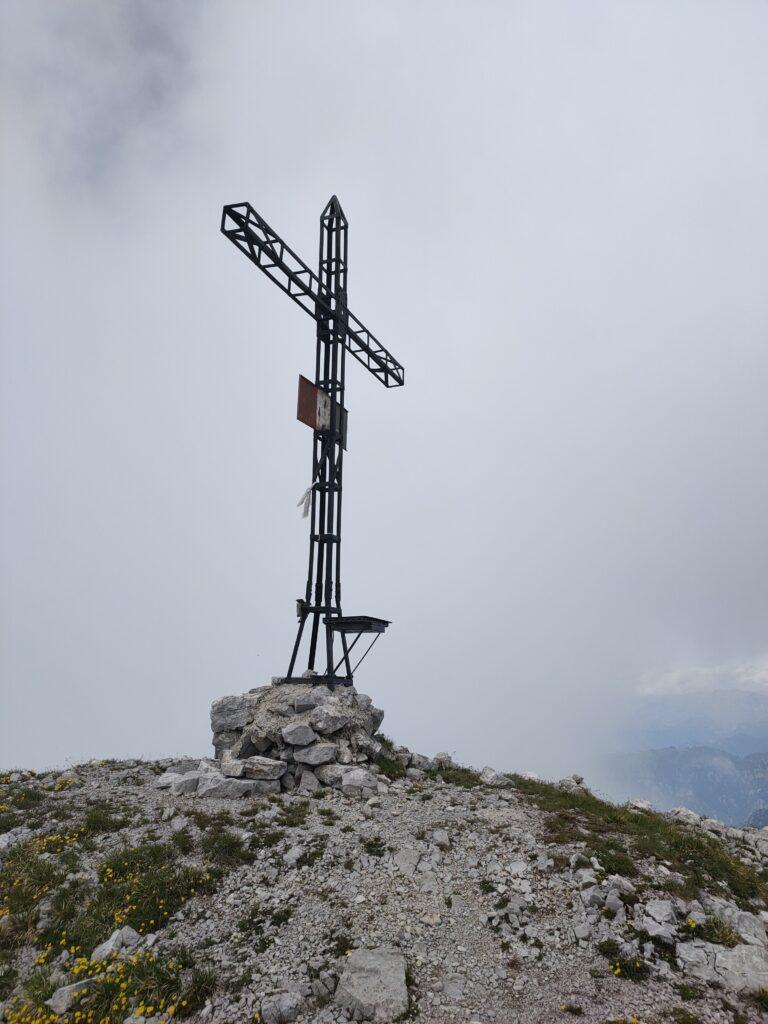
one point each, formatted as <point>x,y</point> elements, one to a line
<point>324,296</point>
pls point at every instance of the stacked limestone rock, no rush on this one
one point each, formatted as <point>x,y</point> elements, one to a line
<point>291,736</point>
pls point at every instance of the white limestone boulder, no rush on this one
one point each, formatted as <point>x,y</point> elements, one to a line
<point>298,734</point>
<point>316,754</point>
<point>372,985</point>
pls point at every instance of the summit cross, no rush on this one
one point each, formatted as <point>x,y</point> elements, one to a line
<point>321,405</point>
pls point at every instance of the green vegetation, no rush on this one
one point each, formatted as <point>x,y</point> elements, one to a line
<point>613,859</point>
<point>610,949</point>
<point>715,930</point>
<point>295,815</point>
<point>486,886</point>
<point>8,819</point>
<point>571,1008</point>
<point>682,1016</point>
<point>579,816</point>
<point>206,821</point>
<point>172,985</point>
<point>628,968</point>
<point>101,817</point>
<point>183,841</point>
<point>63,783</point>
<point>664,949</point>
<point>25,878</point>
<point>280,917</point>
<point>760,998</point>
<point>339,943</point>
<point>140,886</point>
<point>313,852</point>
<point>412,1011</point>
<point>265,838</point>
<point>689,992</point>
<point>8,978</point>
<point>22,805</point>
<point>23,796</point>
<point>253,808</point>
<point>390,766</point>
<point>39,986</point>
<point>373,846</point>
<point>225,848</point>
<point>633,969</point>
<point>254,926</point>
<point>455,775</point>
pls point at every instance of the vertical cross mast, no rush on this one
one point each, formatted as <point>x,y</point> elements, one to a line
<point>328,455</point>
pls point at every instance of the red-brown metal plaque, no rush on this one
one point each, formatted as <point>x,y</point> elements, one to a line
<point>314,409</point>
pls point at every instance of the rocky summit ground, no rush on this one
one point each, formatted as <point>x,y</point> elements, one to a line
<point>440,895</point>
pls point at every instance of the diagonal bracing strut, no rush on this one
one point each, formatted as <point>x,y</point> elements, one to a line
<point>264,247</point>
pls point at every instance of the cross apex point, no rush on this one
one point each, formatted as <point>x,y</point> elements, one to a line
<point>333,209</point>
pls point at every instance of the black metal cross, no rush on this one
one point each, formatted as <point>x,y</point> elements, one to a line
<point>324,297</point>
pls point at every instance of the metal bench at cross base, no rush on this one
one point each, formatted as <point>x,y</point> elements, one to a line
<point>345,625</point>
<point>358,624</point>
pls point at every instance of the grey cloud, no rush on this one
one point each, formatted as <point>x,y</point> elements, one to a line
<point>98,85</point>
<point>558,223</point>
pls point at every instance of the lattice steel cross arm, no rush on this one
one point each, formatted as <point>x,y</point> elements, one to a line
<point>252,235</point>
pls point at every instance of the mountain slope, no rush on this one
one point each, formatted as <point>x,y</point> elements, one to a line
<point>446,894</point>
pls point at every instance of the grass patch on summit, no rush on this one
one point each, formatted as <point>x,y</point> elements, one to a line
<point>621,831</point>
<point>294,815</point>
<point>714,930</point>
<point>183,841</point>
<point>101,817</point>
<point>390,767</point>
<point>689,992</point>
<point>456,775</point>
<point>613,858</point>
<point>8,819</point>
<point>226,848</point>
<point>373,846</point>
<point>25,879</point>
<point>682,1016</point>
<point>23,797</point>
<point>171,984</point>
<point>8,978</point>
<point>140,886</point>
<point>313,852</point>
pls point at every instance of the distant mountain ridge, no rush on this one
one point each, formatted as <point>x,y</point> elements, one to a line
<point>731,720</point>
<point>708,780</point>
<point>759,819</point>
<point>699,741</point>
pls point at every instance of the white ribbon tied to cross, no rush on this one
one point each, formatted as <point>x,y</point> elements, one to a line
<point>306,501</point>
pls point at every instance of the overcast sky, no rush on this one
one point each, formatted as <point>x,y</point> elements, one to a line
<point>558,224</point>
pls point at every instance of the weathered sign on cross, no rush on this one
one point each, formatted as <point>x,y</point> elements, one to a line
<point>321,406</point>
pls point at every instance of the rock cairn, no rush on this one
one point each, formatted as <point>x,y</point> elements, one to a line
<point>291,737</point>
